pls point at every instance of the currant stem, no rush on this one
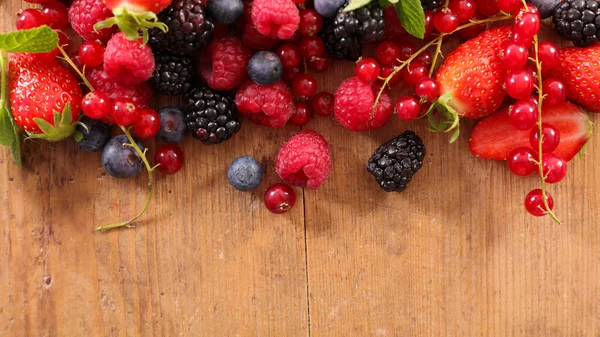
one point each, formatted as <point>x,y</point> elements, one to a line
<point>438,52</point>
<point>548,211</point>
<point>79,72</point>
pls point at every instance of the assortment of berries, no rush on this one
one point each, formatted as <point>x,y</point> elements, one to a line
<point>236,60</point>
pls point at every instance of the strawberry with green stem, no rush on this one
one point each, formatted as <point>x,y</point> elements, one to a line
<point>134,16</point>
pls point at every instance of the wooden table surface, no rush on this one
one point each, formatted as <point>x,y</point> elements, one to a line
<point>455,255</point>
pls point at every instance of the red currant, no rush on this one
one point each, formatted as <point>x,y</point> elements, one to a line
<point>535,205</point>
<point>487,8</point>
<point>388,53</point>
<point>55,15</point>
<point>527,41</point>
<point>29,18</point>
<point>124,111</point>
<point>319,64</point>
<point>408,108</point>
<point>429,26</point>
<point>304,86</point>
<point>554,168</point>
<point>95,105</point>
<point>367,70</point>
<point>311,22</point>
<point>509,6</point>
<point>427,88</point>
<point>407,49</point>
<point>519,83</point>
<point>523,115</point>
<point>170,159</point>
<point>386,71</point>
<point>554,90</point>
<point>425,57</point>
<point>527,25</point>
<point>91,53</point>
<point>302,115</point>
<point>549,56</point>
<point>147,123</point>
<point>322,104</point>
<point>464,9</point>
<point>550,138</point>
<point>312,46</point>
<point>280,198</point>
<point>530,8</point>
<point>445,21</point>
<point>289,55</point>
<point>513,55</point>
<point>290,74</point>
<point>521,161</point>
<point>414,72</point>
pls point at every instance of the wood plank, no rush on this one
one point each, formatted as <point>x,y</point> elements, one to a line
<point>454,255</point>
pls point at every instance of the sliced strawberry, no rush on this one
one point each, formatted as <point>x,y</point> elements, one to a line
<point>494,137</point>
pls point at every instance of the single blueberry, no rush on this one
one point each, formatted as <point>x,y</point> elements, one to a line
<point>172,125</point>
<point>245,173</point>
<point>95,137</point>
<point>225,12</point>
<point>546,7</point>
<point>265,68</point>
<point>328,8</point>
<point>120,160</point>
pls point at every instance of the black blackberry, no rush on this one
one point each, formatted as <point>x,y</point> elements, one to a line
<point>396,162</point>
<point>190,29</point>
<point>172,75</point>
<point>345,33</point>
<point>431,4</point>
<point>212,117</point>
<point>578,21</point>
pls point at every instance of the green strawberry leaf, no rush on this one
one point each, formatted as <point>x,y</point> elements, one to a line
<point>412,16</point>
<point>36,40</point>
<point>356,4</point>
<point>9,136</point>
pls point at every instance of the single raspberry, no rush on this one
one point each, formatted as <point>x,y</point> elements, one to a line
<point>354,102</point>
<point>84,14</point>
<point>140,94</point>
<point>255,41</point>
<point>224,64</point>
<point>278,19</point>
<point>128,62</point>
<point>305,160</point>
<point>271,105</point>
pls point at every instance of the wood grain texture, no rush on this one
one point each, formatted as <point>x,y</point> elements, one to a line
<point>456,255</point>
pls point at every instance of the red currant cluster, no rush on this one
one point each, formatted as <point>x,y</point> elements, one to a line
<point>309,53</point>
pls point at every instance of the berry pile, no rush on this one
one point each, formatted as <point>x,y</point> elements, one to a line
<point>233,61</point>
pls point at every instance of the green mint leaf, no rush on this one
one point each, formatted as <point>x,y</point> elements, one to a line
<point>356,4</point>
<point>9,136</point>
<point>36,40</point>
<point>412,16</point>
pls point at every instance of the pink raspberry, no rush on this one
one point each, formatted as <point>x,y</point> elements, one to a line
<point>256,41</point>
<point>224,64</point>
<point>128,62</point>
<point>141,94</point>
<point>354,100</point>
<point>305,160</point>
<point>271,105</point>
<point>84,14</point>
<point>277,19</point>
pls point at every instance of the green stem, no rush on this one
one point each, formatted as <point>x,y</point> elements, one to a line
<point>540,164</point>
<point>438,51</point>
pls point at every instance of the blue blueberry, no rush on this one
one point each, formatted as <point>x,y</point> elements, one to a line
<point>172,125</point>
<point>95,137</point>
<point>328,8</point>
<point>546,7</point>
<point>225,12</point>
<point>245,173</point>
<point>265,68</point>
<point>121,161</point>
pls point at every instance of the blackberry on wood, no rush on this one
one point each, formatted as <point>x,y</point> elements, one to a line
<point>431,4</point>
<point>345,33</point>
<point>190,29</point>
<point>212,117</point>
<point>172,74</point>
<point>578,21</point>
<point>397,161</point>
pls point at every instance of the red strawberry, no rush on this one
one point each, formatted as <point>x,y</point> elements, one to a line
<point>579,70</point>
<point>494,137</point>
<point>471,79</point>
<point>132,16</point>
<point>39,92</point>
